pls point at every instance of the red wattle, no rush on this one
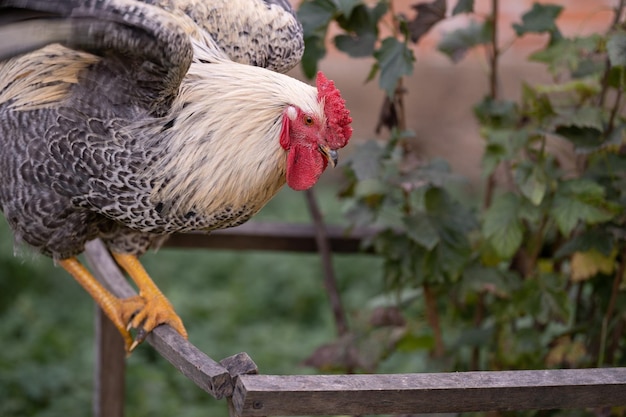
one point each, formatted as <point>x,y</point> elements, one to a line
<point>304,167</point>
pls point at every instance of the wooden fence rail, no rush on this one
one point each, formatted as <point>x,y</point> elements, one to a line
<point>271,395</point>
<point>274,237</point>
<point>250,394</point>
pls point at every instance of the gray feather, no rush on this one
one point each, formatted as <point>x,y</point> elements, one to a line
<point>72,157</point>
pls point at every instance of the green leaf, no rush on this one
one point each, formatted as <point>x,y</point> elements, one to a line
<point>586,116</point>
<point>420,230</point>
<point>589,67</point>
<point>540,19</point>
<point>580,200</point>
<point>315,15</point>
<point>395,60</point>
<point>502,225</point>
<point>536,105</point>
<point>370,187</point>
<point>362,20</point>
<point>452,222</point>
<point>478,278</point>
<point>373,71</point>
<point>314,51</point>
<point>366,159</point>
<point>585,88</point>
<point>356,45</point>
<point>532,181</point>
<point>463,6</point>
<point>585,139</point>
<point>597,239</point>
<point>475,337</point>
<point>545,298</point>
<point>496,113</point>
<point>412,342</point>
<point>361,25</point>
<point>568,53</point>
<point>428,15</point>
<point>346,6</point>
<point>617,77</point>
<point>446,212</point>
<point>456,43</point>
<point>616,48</point>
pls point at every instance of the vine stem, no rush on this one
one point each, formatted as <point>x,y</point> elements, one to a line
<point>603,354</point>
<point>495,52</point>
<point>432,316</point>
<point>605,78</point>
<point>330,281</point>
<point>494,93</point>
<point>610,309</point>
<point>398,99</point>
<point>607,64</point>
<point>493,55</point>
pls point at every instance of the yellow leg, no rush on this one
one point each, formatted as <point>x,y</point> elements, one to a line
<point>119,311</point>
<point>157,309</point>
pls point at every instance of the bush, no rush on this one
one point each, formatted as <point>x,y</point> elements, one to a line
<point>533,276</point>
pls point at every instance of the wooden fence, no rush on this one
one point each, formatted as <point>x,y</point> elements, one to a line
<point>247,393</point>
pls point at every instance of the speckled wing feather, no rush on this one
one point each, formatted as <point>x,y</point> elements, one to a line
<point>154,47</point>
<point>263,33</point>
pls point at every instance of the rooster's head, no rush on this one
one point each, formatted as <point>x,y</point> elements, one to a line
<point>311,138</point>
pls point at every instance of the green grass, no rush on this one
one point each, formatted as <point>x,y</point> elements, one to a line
<point>270,305</point>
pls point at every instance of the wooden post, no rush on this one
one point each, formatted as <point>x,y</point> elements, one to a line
<point>110,355</point>
<point>110,369</point>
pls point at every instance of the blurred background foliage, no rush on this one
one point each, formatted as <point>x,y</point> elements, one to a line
<point>529,274</point>
<point>270,305</point>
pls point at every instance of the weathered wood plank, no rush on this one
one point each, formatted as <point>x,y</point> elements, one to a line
<point>240,364</point>
<point>286,237</point>
<point>271,395</point>
<point>193,363</point>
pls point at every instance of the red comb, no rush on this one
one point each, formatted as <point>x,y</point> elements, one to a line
<point>337,115</point>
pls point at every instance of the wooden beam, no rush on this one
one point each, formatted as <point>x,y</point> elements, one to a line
<point>193,363</point>
<point>271,395</point>
<point>285,237</point>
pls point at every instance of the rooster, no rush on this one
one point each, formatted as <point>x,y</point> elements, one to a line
<point>135,120</point>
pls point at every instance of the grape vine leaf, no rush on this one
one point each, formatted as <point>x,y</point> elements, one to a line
<point>428,15</point>
<point>395,60</point>
<point>502,225</point>
<point>463,6</point>
<point>455,44</point>
<point>540,19</point>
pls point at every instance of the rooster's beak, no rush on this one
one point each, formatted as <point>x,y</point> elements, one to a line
<point>330,154</point>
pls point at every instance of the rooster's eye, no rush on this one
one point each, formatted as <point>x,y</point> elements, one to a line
<point>308,120</point>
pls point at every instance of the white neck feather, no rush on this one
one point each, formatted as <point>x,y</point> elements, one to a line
<point>223,148</point>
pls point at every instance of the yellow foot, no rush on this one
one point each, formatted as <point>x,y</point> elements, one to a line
<point>121,314</point>
<point>143,312</point>
<point>156,310</point>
